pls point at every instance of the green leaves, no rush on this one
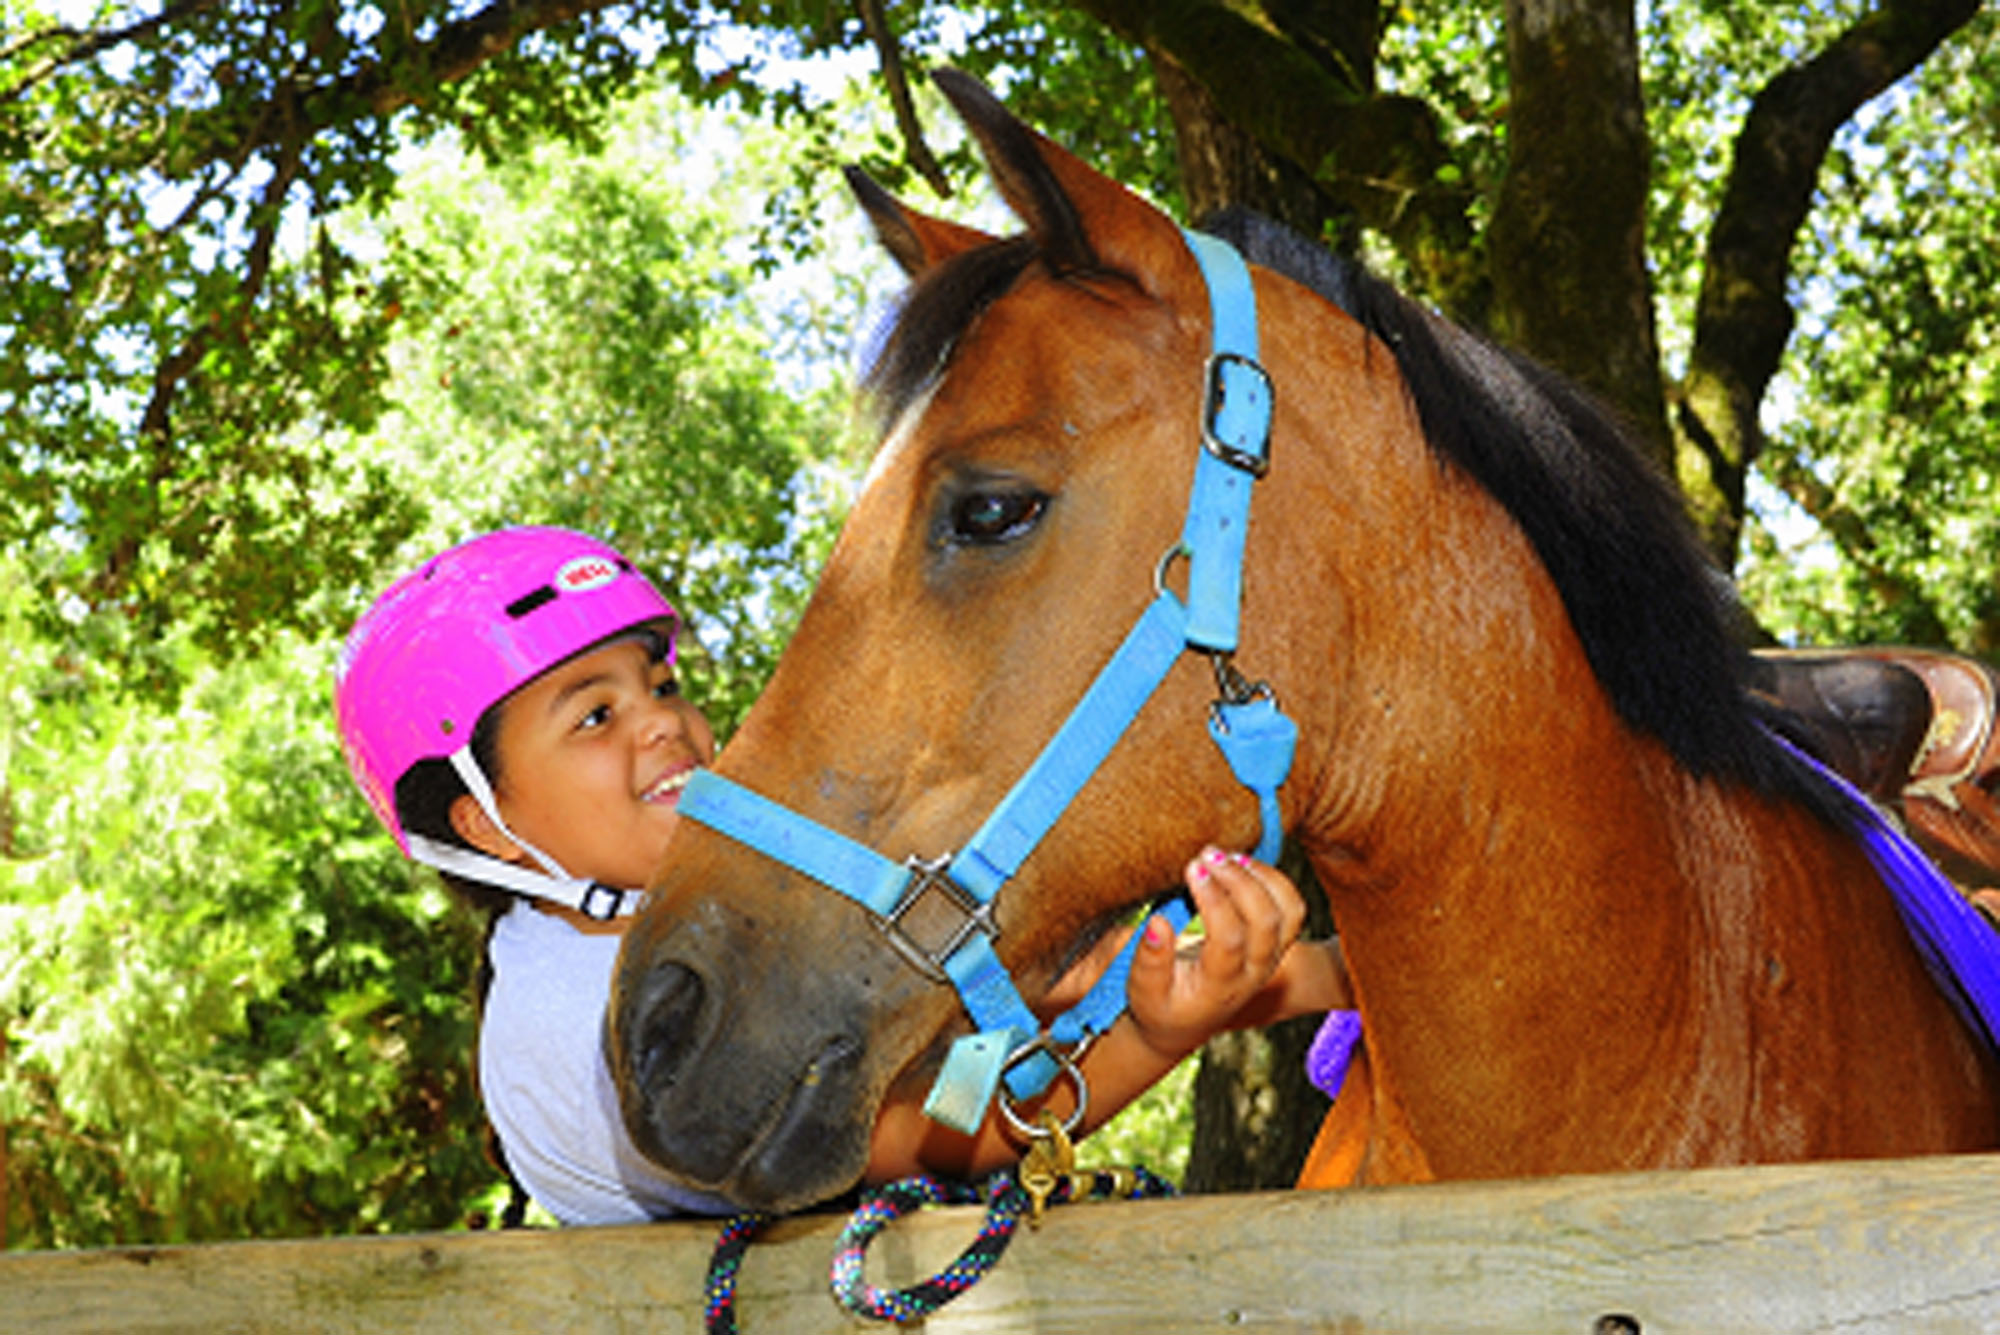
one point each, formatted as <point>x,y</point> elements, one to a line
<point>1885,464</point>
<point>175,356</point>
<point>230,1008</point>
<point>589,344</point>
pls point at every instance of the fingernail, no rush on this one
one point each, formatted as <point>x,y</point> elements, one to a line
<point>1213,854</point>
<point>1157,932</point>
<point>1198,871</point>
<point>1240,859</point>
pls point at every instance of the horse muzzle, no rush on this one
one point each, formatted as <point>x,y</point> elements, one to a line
<point>746,1074</point>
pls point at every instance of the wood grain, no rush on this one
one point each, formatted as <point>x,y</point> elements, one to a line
<point>1899,1246</point>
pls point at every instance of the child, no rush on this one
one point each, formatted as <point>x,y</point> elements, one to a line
<point>510,711</point>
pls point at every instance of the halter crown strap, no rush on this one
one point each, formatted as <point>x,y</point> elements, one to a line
<point>1236,447</point>
<point>1253,735</point>
<point>1256,739</point>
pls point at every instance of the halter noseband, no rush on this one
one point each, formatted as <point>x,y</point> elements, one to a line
<point>938,913</point>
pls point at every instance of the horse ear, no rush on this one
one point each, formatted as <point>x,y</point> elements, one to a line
<point>916,241</point>
<point>1080,219</point>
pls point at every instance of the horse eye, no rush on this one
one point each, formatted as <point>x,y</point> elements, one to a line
<point>986,518</point>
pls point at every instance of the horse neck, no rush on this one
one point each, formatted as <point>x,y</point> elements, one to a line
<point>1573,955</point>
<point>1562,965</point>
<point>1540,911</point>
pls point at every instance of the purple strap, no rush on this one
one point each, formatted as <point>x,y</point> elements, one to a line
<point>1958,946</point>
<point>1332,1049</point>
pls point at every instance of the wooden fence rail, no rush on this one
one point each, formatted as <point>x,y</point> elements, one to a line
<point>1910,1245</point>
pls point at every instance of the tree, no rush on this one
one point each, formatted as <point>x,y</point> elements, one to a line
<point>230,1008</point>
<point>1887,455</point>
<point>177,359</point>
<point>589,344</point>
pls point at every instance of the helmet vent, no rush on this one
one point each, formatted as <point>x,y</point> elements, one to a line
<point>528,602</point>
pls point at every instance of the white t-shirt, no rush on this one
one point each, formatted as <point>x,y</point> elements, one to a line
<point>547,1086</point>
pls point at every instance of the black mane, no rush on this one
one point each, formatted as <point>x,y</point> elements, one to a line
<point>1653,613</point>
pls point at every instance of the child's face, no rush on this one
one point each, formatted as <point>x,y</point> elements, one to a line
<point>592,758</point>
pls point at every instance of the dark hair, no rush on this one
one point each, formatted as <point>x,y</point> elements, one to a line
<point>424,798</point>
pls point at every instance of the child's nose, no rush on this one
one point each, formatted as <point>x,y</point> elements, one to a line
<point>662,722</point>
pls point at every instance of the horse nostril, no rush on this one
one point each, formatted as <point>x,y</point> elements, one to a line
<point>667,1006</point>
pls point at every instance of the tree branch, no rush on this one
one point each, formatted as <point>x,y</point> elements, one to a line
<point>87,44</point>
<point>1743,317</point>
<point>1849,532</point>
<point>237,130</point>
<point>1378,155</point>
<point>890,53</point>
<point>155,434</point>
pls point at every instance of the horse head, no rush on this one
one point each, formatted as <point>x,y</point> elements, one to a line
<point>1040,402</point>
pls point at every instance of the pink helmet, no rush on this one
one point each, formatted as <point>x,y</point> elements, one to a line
<point>446,642</point>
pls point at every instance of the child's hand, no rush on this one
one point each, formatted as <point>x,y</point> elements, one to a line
<point>1251,913</point>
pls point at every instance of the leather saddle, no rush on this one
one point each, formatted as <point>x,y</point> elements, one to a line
<point>1915,729</point>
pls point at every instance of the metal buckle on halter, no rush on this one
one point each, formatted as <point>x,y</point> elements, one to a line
<point>911,939</point>
<point>1237,385</point>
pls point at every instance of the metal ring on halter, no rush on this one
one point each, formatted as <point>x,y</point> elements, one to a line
<point>1067,1060</point>
<point>1179,549</point>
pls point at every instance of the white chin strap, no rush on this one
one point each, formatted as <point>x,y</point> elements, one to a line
<point>593,899</point>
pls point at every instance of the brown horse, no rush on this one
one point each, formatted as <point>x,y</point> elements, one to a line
<point>1596,919</point>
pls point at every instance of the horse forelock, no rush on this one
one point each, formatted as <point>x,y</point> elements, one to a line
<point>931,318</point>
<point>1652,612</point>
<point>923,331</point>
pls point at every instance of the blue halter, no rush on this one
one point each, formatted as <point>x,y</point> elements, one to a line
<point>939,913</point>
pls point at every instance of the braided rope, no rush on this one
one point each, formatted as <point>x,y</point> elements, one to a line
<point>1006,1204</point>
<point>718,1292</point>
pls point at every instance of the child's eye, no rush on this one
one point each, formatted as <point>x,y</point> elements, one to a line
<point>596,718</point>
<point>666,688</point>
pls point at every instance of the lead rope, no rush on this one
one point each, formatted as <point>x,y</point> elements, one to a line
<point>1007,1203</point>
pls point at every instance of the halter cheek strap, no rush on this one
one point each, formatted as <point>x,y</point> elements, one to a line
<point>939,913</point>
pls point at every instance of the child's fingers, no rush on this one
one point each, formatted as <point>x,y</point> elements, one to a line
<point>1250,910</point>
<point>1225,931</point>
<point>1270,893</point>
<point>1291,905</point>
<point>1152,974</point>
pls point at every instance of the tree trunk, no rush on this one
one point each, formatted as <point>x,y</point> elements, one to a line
<point>1288,79</point>
<point>1222,166</point>
<point>1567,244</point>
